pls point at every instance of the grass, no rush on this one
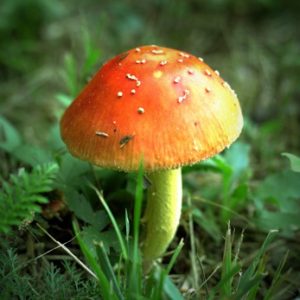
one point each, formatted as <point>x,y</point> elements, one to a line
<point>95,213</point>
<point>126,279</point>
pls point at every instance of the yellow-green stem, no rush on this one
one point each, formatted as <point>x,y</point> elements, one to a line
<point>162,212</point>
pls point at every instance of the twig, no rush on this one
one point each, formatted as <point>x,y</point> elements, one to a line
<point>69,252</point>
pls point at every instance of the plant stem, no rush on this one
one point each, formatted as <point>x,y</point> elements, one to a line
<point>162,212</point>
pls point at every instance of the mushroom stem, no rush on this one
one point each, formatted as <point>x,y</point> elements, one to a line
<point>162,212</point>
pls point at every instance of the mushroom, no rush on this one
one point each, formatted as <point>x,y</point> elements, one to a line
<point>169,111</point>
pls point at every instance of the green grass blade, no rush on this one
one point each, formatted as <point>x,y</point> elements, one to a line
<point>134,265</point>
<point>113,221</point>
<point>251,284</point>
<point>106,292</point>
<point>260,272</point>
<point>276,279</point>
<point>193,254</point>
<point>163,283</point>
<point>238,248</point>
<point>108,269</point>
<point>171,290</point>
<point>162,278</point>
<point>223,281</point>
<point>137,209</point>
<point>127,229</point>
<point>174,256</point>
<point>227,263</point>
<point>160,275</point>
<point>250,272</point>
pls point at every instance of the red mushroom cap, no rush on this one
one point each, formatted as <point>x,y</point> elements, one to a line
<point>161,105</point>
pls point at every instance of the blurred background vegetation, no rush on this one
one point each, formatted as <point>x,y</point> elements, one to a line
<point>50,49</point>
<point>254,44</point>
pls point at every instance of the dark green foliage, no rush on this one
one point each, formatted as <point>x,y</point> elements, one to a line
<point>21,196</point>
<point>12,143</point>
<point>21,28</point>
<point>51,283</point>
<point>278,199</point>
<point>13,283</point>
